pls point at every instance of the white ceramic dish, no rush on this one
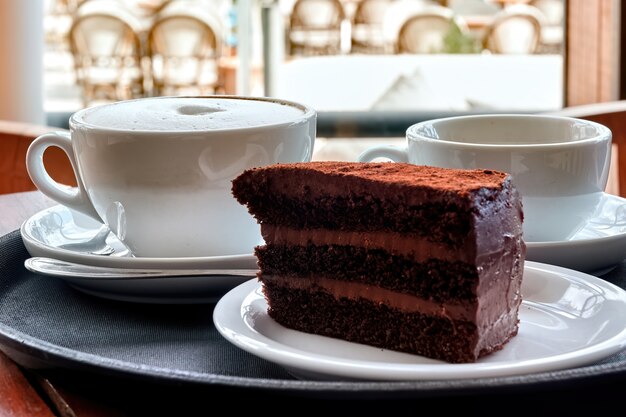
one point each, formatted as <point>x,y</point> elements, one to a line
<point>61,233</point>
<point>598,247</point>
<point>567,319</point>
<point>158,290</point>
<point>560,165</point>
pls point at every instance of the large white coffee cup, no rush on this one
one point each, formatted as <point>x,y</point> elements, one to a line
<point>158,171</point>
<point>560,165</point>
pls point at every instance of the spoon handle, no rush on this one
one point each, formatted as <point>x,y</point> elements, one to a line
<point>56,267</point>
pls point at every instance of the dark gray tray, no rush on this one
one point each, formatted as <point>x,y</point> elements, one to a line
<point>46,325</point>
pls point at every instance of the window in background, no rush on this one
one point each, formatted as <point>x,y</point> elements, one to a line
<point>106,50</point>
<point>424,59</point>
<point>355,61</point>
<point>470,55</point>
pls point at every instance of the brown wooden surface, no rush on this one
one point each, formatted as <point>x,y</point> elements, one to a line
<point>17,207</point>
<point>14,141</point>
<point>592,58</point>
<point>17,396</point>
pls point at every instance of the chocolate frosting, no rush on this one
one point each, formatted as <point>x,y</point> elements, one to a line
<point>354,291</point>
<point>399,183</point>
<point>412,246</point>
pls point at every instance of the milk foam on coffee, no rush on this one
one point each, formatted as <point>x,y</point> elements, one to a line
<point>190,114</point>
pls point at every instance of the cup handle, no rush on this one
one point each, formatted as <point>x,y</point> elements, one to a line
<point>395,153</point>
<point>74,198</point>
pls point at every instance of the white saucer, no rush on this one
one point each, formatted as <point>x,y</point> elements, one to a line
<point>158,290</point>
<point>596,248</point>
<point>568,319</point>
<point>61,233</point>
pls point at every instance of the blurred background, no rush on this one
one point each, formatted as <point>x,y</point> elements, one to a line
<point>370,67</point>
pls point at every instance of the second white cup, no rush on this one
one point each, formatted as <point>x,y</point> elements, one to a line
<point>560,165</point>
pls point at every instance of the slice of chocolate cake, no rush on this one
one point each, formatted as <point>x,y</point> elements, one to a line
<point>411,258</point>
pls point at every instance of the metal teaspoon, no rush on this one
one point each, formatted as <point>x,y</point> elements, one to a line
<point>56,267</point>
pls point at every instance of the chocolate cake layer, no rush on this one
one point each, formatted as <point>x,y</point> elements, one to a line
<point>456,310</point>
<point>484,301</point>
<point>375,324</point>
<point>434,279</point>
<point>409,245</point>
<point>438,204</point>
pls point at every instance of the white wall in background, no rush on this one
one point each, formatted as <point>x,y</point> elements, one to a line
<point>21,58</point>
<point>428,82</point>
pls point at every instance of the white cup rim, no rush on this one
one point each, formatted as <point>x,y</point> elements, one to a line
<point>603,133</point>
<point>77,120</point>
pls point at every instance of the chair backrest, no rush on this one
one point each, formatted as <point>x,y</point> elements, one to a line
<point>425,31</point>
<point>184,51</point>
<point>367,26</point>
<point>315,27</point>
<point>316,14</point>
<point>370,12</point>
<point>103,36</point>
<point>514,30</point>
<point>107,55</point>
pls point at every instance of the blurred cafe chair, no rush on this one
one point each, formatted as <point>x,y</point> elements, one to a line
<point>553,27</point>
<point>57,21</point>
<point>107,55</point>
<point>15,137</point>
<point>315,27</point>
<point>184,51</point>
<point>424,32</point>
<point>553,10</point>
<point>367,24</point>
<point>514,30</point>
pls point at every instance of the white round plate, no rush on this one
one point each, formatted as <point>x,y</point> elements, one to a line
<point>567,319</point>
<point>596,248</point>
<point>60,233</point>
